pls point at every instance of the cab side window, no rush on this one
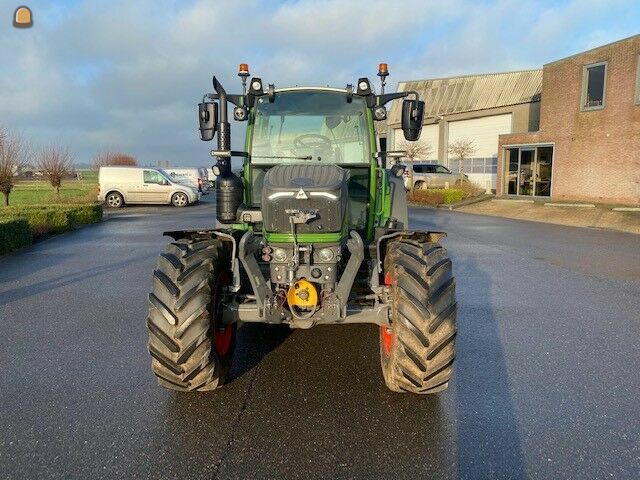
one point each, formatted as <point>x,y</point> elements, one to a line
<point>441,169</point>
<point>154,177</point>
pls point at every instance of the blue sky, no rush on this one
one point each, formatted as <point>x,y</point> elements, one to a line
<point>123,75</point>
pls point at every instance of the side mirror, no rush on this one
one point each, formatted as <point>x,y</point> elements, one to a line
<point>208,118</point>
<point>332,121</point>
<point>398,170</point>
<point>412,116</point>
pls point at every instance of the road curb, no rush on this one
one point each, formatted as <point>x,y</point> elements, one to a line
<point>467,201</point>
<point>512,200</point>
<point>570,205</point>
<point>626,209</point>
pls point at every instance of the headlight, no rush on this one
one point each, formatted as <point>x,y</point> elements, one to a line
<point>279,255</point>
<point>326,254</point>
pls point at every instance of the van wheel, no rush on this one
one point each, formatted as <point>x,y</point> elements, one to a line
<point>420,186</point>
<point>179,199</point>
<point>114,200</point>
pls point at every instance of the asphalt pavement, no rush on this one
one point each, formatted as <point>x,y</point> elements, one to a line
<point>546,384</point>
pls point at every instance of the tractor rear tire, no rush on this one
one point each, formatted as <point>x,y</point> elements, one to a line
<point>418,349</point>
<point>190,349</point>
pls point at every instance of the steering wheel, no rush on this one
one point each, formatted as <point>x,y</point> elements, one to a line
<point>314,141</point>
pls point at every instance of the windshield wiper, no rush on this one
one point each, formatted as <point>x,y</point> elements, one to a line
<point>308,157</point>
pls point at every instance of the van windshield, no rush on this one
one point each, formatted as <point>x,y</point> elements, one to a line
<point>313,125</point>
<point>165,175</point>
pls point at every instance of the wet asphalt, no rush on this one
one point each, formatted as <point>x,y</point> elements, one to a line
<point>547,380</point>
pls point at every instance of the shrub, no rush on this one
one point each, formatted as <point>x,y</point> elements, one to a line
<point>14,234</point>
<point>84,214</point>
<point>436,196</point>
<point>42,220</point>
<point>470,189</point>
<point>45,219</point>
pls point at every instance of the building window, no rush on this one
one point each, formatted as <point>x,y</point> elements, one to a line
<point>594,86</point>
<point>475,165</point>
<point>528,170</point>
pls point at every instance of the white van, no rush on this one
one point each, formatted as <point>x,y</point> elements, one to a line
<point>192,176</point>
<point>120,185</point>
<point>207,179</point>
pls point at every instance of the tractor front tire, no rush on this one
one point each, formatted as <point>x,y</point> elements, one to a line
<point>418,349</point>
<point>190,349</point>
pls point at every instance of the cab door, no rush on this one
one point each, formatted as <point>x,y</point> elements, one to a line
<point>155,188</point>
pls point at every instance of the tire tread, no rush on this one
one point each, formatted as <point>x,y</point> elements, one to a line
<point>423,318</point>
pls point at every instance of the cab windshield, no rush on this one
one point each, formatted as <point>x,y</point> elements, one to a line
<point>310,125</point>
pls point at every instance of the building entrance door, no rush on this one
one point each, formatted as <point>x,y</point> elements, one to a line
<point>529,171</point>
<point>525,172</point>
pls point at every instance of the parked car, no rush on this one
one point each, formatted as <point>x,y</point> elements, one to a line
<point>430,175</point>
<point>207,178</point>
<point>192,176</point>
<point>120,185</point>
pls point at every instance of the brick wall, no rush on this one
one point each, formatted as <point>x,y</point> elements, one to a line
<point>597,153</point>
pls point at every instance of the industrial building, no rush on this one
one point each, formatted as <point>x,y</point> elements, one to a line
<point>473,107</point>
<point>588,144</point>
<point>568,131</point>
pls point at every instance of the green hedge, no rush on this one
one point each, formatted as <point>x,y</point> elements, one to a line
<point>85,214</point>
<point>45,219</point>
<point>436,196</point>
<point>14,234</point>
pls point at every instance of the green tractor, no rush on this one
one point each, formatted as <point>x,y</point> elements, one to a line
<point>314,231</point>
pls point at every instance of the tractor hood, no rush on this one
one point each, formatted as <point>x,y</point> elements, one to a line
<point>321,188</point>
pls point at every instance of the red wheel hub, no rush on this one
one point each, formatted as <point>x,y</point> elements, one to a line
<point>222,336</point>
<point>223,339</point>
<point>386,331</point>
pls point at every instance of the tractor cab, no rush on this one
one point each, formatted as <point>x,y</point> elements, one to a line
<point>313,127</point>
<point>306,126</point>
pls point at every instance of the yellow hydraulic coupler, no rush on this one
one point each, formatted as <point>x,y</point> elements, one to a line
<point>302,294</point>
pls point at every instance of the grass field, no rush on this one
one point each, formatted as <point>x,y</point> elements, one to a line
<point>38,192</point>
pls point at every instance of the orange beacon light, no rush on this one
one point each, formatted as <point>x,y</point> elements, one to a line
<point>22,17</point>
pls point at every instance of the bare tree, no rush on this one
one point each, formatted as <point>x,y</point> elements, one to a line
<point>55,162</point>
<point>13,156</point>
<point>416,150</point>
<point>113,158</point>
<point>461,150</point>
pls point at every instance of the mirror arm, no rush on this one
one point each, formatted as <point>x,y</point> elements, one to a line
<point>391,153</point>
<point>228,153</point>
<point>237,100</point>
<point>387,97</point>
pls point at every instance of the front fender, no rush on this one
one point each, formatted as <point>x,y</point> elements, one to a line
<point>224,236</point>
